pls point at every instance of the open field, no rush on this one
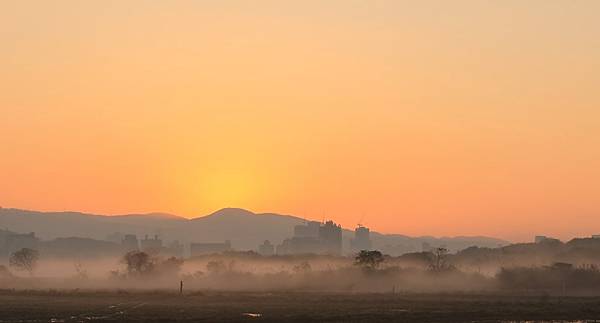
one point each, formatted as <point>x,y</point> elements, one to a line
<point>211,306</point>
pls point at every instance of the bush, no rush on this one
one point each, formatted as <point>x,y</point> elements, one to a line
<point>24,259</point>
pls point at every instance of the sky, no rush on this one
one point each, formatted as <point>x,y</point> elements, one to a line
<point>424,117</point>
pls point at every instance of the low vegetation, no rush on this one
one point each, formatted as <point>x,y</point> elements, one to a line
<point>368,271</point>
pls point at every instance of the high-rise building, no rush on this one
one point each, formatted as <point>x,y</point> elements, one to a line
<point>330,236</point>
<point>130,242</point>
<point>308,230</point>
<point>362,239</point>
<point>199,249</point>
<point>174,248</point>
<point>313,237</point>
<point>12,241</point>
<point>151,245</point>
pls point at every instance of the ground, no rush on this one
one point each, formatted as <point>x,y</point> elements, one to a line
<point>212,306</point>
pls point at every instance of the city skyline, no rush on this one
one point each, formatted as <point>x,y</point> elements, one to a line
<point>533,235</point>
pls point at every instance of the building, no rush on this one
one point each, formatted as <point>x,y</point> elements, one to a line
<point>151,245</point>
<point>330,236</point>
<point>362,239</point>
<point>308,230</point>
<point>130,243</point>
<point>596,236</point>
<point>300,245</point>
<point>80,248</point>
<point>174,249</point>
<point>12,241</point>
<point>313,237</point>
<point>199,249</point>
<point>266,249</point>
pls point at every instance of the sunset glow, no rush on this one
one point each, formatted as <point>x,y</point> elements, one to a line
<point>417,118</point>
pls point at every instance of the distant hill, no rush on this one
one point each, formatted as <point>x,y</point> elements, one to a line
<point>245,229</point>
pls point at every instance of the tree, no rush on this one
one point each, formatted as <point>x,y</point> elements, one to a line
<point>369,259</point>
<point>24,259</point>
<point>138,263</point>
<point>438,260</point>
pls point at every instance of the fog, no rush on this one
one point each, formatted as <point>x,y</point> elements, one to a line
<point>240,271</point>
<point>239,274</point>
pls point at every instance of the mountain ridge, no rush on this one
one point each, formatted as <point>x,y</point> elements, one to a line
<point>244,228</point>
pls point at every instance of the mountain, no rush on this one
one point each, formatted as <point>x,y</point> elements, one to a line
<point>50,225</point>
<point>245,229</point>
<point>242,227</point>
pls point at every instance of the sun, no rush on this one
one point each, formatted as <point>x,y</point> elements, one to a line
<point>228,188</point>
<point>210,189</point>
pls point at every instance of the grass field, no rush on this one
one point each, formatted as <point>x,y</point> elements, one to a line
<point>212,306</point>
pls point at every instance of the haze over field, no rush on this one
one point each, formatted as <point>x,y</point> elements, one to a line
<point>443,118</point>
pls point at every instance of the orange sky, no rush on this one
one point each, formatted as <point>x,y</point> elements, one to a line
<point>420,117</point>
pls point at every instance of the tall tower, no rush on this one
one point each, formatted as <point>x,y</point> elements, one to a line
<point>330,235</point>
<point>362,239</point>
